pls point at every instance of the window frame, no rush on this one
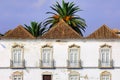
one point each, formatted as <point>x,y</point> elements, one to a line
<point>21,62</point>
<point>17,73</point>
<point>17,55</point>
<point>105,46</point>
<point>51,55</point>
<point>74,73</point>
<point>105,73</point>
<point>78,53</point>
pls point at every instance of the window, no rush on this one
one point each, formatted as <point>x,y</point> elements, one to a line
<point>73,56</point>
<point>17,75</point>
<point>47,59</point>
<point>17,56</point>
<point>46,55</point>
<point>105,75</point>
<point>105,56</point>
<point>74,76</point>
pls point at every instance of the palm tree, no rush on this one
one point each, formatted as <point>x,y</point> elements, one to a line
<point>35,29</point>
<point>66,11</point>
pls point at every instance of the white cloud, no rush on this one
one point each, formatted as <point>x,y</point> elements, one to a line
<point>38,3</point>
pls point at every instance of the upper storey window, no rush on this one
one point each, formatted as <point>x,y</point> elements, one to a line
<point>105,57</point>
<point>47,57</point>
<point>17,60</point>
<point>74,56</point>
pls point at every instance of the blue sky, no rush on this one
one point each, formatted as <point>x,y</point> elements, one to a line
<point>95,12</point>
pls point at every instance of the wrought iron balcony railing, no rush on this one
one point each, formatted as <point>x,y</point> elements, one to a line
<point>105,65</point>
<point>47,65</point>
<point>74,64</point>
<point>18,65</point>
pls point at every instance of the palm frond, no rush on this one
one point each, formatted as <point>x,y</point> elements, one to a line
<point>35,29</point>
<point>66,11</point>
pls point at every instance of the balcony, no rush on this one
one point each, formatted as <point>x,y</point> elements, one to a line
<point>75,65</point>
<point>107,65</point>
<point>19,65</point>
<point>49,65</point>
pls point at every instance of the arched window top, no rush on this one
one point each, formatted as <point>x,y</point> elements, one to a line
<point>17,73</point>
<point>74,73</point>
<point>47,46</point>
<point>17,46</point>
<point>74,46</point>
<point>105,46</point>
<point>47,73</point>
<point>105,76</point>
<point>105,73</point>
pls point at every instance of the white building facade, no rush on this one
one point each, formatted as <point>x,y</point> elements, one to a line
<point>48,58</point>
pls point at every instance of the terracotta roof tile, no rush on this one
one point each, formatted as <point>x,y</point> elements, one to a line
<point>103,32</point>
<point>18,33</point>
<point>61,31</point>
<point>8,32</point>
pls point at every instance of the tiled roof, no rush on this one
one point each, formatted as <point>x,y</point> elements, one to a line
<point>103,33</point>
<point>61,31</point>
<point>18,33</point>
<point>8,32</point>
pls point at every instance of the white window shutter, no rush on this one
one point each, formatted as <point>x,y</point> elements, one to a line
<point>105,57</point>
<point>17,56</point>
<point>73,56</point>
<point>46,56</point>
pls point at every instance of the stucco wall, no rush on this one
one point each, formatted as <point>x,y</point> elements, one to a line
<point>58,74</point>
<point>89,55</point>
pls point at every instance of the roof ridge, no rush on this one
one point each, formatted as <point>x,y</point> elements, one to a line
<point>92,35</point>
<point>26,31</point>
<point>8,33</point>
<point>69,27</point>
<point>19,27</point>
<point>61,33</point>
<point>111,31</point>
